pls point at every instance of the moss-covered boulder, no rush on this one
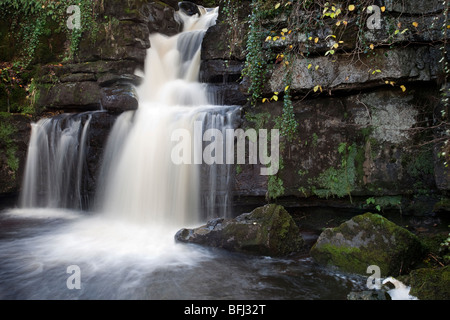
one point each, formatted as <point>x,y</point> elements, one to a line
<point>268,230</point>
<point>430,284</point>
<point>365,240</point>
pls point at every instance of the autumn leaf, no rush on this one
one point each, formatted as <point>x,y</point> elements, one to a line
<point>316,40</point>
<point>285,30</point>
<point>277,5</point>
<point>403,88</point>
<point>383,9</point>
<point>309,66</point>
<point>372,46</point>
<point>351,7</point>
<point>286,88</point>
<point>415,24</point>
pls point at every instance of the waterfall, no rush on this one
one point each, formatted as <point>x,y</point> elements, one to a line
<point>55,171</point>
<point>141,181</point>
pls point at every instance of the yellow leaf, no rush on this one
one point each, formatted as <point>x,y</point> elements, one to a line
<point>277,5</point>
<point>316,40</point>
<point>275,98</point>
<point>383,9</point>
<point>310,38</point>
<point>283,38</point>
<point>286,62</point>
<point>285,30</point>
<point>415,24</point>
<point>335,45</point>
<point>345,22</point>
<point>351,7</point>
<point>403,88</point>
<point>338,23</point>
<point>317,67</point>
<point>286,88</point>
<point>268,38</point>
<point>372,46</point>
<point>264,100</point>
<point>309,66</point>
<point>316,88</point>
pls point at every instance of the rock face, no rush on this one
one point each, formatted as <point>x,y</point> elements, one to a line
<point>365,240</point>
<point>268,230</point>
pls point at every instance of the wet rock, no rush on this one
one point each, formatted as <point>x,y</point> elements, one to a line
<point>368,295</point>
<point>109,79</point>
<point>430,284</point>
<point>189,8</point>
<point>71,95</point>
<point>267,230</point>
<point>365,240</point>
<point>119,98</point>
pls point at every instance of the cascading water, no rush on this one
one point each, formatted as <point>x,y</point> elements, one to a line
<point>148,188</point>
<point>55,171</point>
<point>142,181</point>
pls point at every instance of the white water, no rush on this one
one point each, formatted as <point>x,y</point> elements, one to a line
<point>143,198</point>
<point>142,184</point>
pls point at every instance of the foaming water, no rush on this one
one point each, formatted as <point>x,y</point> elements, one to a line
<point>125,248</point>
<point>120,260</point>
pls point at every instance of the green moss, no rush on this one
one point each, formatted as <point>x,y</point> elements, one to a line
<point>7,144</point>
<point>275,188</point>
<point>341,181</point>
<point>368,239</point>
<point>431,284</point>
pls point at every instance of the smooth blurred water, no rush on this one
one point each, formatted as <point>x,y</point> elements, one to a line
<point>122,260</point>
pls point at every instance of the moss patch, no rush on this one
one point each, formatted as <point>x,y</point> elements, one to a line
<point>365,240</point>
<point>431,284</point>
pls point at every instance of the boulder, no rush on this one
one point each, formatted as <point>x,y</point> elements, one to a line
<point>267,230</point>
<point>430,284</point>
<point>365,240</point>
